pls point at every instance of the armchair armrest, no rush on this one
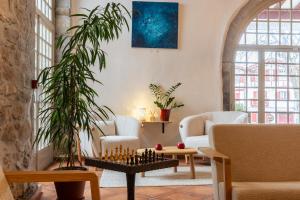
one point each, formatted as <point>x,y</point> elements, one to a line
<point>56,176</point>
<point>192,125</point>
<point>225,160</point>
<point>213,154</point>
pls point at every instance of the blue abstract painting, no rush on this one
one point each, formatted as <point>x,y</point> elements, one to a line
<point>154,24</point>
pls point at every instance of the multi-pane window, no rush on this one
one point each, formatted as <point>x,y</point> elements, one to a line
<point>267,75</point>
<point>44,48</point>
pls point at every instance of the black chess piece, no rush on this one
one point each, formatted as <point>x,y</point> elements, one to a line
<point>146,156</point>
<point>150,156</point>
<point>157,157</point>
<point>131,160</point>
<point>127,161</point>
<point>153,156</point>
<point>136,160</point>
<point>162,156</point>
<point>143,158</point>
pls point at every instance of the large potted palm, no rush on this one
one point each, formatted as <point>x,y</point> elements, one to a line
<point>67,98</point>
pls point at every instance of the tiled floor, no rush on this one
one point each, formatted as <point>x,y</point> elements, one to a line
<point>142,193</point>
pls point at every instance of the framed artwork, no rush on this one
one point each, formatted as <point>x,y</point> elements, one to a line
<point>154,24</point>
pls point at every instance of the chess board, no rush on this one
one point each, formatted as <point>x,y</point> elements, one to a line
<point>147,161</point>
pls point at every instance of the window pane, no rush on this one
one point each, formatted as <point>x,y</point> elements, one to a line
<point>252,105</point>
<point>252,93</point>
<point>294,106</point>
<point>240,81</point>
<point>270,106</point>
<point>282,118</point>
<point>293,57</point>
<point>294,119</point>
<point>240,68</point>
<point>270,69</point>
<point>294,82</point>
<point>252,69</point>
<point>252,81</point>
<point>250,38</point>
<point>240,93</point>
<point>282,106</point>
<point>270,118</point>
<point>270,94</point>
<point>294,94</point>
<point>294,70</point>
<point>282,69</point>
<point>240,105</point>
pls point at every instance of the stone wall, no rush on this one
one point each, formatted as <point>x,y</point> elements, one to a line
<point>16,73</point>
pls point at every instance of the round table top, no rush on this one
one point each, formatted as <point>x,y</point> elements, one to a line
<point>172,150</point>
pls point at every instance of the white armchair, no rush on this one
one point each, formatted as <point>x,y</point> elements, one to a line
<point>194,129</point>
<point>123,130</point>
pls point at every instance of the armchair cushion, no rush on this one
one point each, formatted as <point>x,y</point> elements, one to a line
<point>197,141</point>
<point>263,190</point>
<point>107,127</point>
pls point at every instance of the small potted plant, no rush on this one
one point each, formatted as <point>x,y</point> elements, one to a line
<point>164,100</point>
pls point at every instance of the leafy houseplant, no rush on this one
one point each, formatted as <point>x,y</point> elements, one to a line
<point>164,99</point>
<point>68,100</point>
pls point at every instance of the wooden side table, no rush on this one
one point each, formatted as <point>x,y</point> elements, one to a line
<point>174,152</point>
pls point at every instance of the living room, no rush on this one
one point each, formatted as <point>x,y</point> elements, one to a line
<point>149,99</point>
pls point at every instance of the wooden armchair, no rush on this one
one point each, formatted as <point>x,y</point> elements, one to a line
<point>225,161</point>
<point>255,161</point>
<point>46,176</point>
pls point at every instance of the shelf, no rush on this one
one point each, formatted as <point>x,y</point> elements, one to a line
<point>157,122</point>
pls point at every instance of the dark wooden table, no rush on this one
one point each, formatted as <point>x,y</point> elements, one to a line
<point>131,170</point>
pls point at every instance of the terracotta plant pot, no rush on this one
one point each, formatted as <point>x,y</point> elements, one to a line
<point>165,114</point>
<point>70,190</point>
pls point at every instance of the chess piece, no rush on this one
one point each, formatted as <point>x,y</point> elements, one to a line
<point>106,155</point>
<point>136,159</point>
<point>111,157</point>
<point>120,153</point>
<point>157,158</point>
<point>100,155</point>
<point>127,153</point>
<point>127,160</point>
<point>124,155</point>
<point>162,156</point>
<point>150,156</point>
<point>116,156</point>
<point>146,156</point>
<point>132,152</point>
<point>143,158</point>
<point>153,156</point>
<point>131,160</point>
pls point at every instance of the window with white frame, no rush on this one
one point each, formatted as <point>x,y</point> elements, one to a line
<point>44,48</point>
<point>267,73</point>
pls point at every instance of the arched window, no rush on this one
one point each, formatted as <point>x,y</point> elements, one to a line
<point>266,67</point>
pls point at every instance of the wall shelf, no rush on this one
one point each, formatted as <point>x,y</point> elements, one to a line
<point>157,122</point>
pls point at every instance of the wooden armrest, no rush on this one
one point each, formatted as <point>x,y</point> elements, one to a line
<point>213,154</point>
<point>56,176</point>
<point>225,160</point>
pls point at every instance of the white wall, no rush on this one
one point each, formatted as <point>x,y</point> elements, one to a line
<point>197,64</point>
